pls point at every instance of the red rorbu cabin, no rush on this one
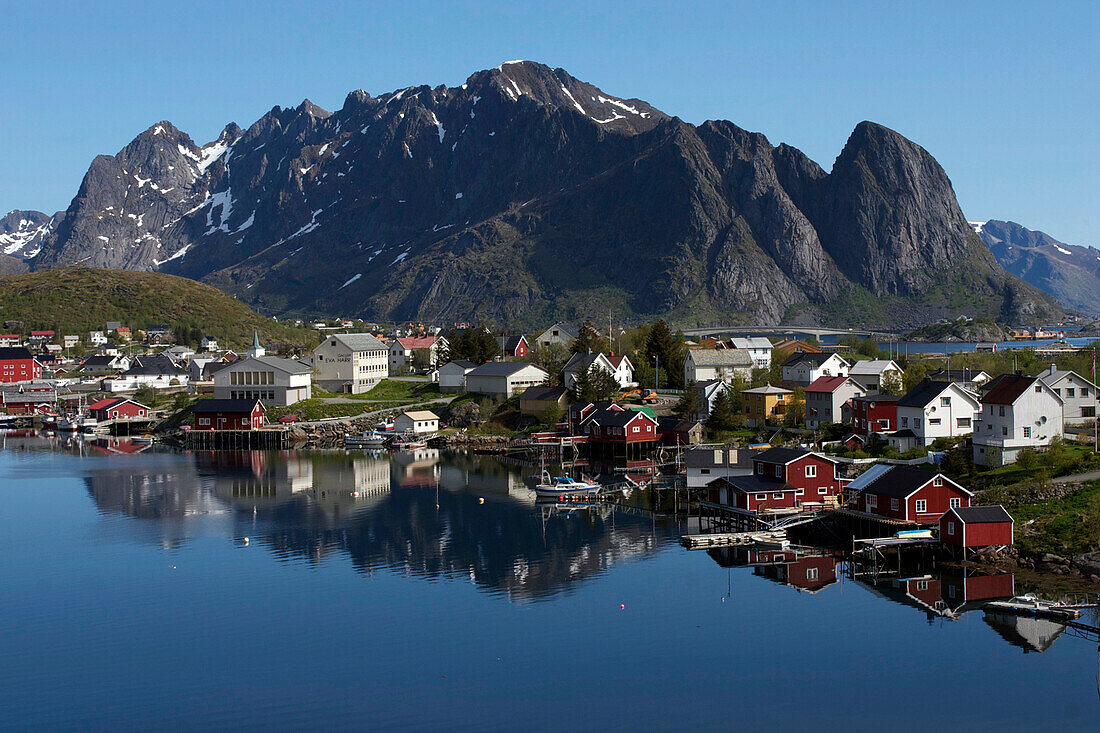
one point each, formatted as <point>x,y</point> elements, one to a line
<point>118,408</point>
<point>229,415</point>
<point>976,526</point>
<point>782,478</point>
<point>908,494</point>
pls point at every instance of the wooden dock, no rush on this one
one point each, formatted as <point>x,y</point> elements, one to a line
<point>266,439</point>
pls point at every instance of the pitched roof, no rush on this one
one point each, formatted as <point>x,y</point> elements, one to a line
<point>828,384</point>
<point>900,481</point>
<point>720,357</point>
<point>274,362</point>
<point>500,369</point>
<point>1050,378</point>
<point>817,359</point>
<point>421,415</point>
<point>982,514</point>
<point>1008,389</point>
<point>15,352</point>
<point>867,477</point>
<point>781,455</point>
<point>957,375</point>
<point>873,366</point>
<point>753,484</point>
<point>542,393</point>
<point>566,330</point>
<point>877,398</point>
<point>923,393</point>
<point>617,417</point>
<point>359,341</point>
<point>510,343</point>
<point>461,364</point>
<point>205,406</point>
<point>750,342</point>
<point>767,389</point>
<point>418,342</point>
<point>154,364</point>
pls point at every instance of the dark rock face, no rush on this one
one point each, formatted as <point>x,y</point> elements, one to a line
<point>1068,272</point>
<point>526,195</point>
<point>23,232</point>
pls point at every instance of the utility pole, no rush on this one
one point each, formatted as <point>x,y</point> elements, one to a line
<point>657,373</point>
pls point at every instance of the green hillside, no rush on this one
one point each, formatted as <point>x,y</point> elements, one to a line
<point>80,299</point>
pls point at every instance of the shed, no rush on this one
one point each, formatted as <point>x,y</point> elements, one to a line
<point>976,526</point>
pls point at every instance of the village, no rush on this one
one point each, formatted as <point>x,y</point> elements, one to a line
<point>761,434</point>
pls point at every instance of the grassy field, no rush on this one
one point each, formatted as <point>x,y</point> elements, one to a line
<point>400,392</point>
<point>1066,526</point>
<point>315,409</point>
<point>1067,459</point>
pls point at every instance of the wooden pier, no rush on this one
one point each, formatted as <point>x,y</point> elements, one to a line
<point>266,439</point>
<point>772,540</point>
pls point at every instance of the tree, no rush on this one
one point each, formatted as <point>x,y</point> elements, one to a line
<point>594,385</point>
<point>914,374</point>
<point>689,405</point>
<point>721,416</point>
<point>421,359</point>
<point>796,408</point>
<point>668,350</point>
<point>552,415</point>
<point>145,395</point>
<point>891,383</point>
<point>588,340</point>
<point>552,358</point>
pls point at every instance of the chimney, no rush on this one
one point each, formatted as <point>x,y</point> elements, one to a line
<point>1053,368</point>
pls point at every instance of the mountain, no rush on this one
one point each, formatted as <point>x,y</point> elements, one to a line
<point>80,299</point>
<point>526,195</point>
<point>1069,272</point>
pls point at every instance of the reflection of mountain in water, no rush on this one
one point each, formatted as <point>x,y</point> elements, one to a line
<point>455,516</point>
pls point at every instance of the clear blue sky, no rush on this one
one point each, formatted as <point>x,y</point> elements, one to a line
<point>1004,94</point>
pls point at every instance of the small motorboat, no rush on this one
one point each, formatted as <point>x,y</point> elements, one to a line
<point>409,443</point>
<point>369,439</point>
<point>1031,605</point>
<point>565,486</point>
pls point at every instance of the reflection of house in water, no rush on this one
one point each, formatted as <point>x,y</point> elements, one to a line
<point>1029,633</point>
<point>803,569</point>
<point>486,476</point>
<point>159,486</point>
<point>945,596</point>
<point>346,484</point>
<point>256,479</point>
<point>416,467</point>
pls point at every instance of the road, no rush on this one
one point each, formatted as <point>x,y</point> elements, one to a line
<point>781,330</point>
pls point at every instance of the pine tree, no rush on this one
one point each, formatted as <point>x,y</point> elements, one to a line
<point>721,416</point>
<point>689,403</point>
<point>588,340</point>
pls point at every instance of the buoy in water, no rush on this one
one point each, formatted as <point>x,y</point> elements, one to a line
<point>622,606</point>
<point>481,500</point>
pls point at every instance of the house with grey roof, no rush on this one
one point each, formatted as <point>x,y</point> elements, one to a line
<point>1078,394</point>
<point>559,333</point>
<point>504,378</point>
<point>759,348</point>
<point>351,363</point>
<point>271,379</point>
<point>702,365</point>
<point>871,373</point>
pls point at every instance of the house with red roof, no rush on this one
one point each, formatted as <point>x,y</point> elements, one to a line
<point>404,350</point>
<point>17,364</point>
<point>826,398</point>
<point>118,408</point>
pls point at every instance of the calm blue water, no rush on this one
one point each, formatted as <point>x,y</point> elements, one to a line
<point>366,598</point>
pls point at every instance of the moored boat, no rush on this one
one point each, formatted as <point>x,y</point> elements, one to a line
<point>565,486</point>
<point>369,439</point>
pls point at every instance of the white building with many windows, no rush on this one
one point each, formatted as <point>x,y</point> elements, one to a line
<point>933,410</point>
<point>1078,395</point>
<point>270,379</point>
<point>350,362</point>
<point>1017,412</point>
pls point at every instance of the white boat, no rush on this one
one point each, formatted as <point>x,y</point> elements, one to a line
<point>368,439</point>
<point>1031,605</point>
<point>565,486</point>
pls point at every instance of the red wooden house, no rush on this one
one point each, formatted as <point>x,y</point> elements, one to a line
<point>229,415</point>
<point>874,414</point>
<point>619,431</point>
<point>17,364</point>
<point>976,526</point>
<point>908,494</point>
<point>118,408</point>
<point>782,478</point>
<point>514,346</point>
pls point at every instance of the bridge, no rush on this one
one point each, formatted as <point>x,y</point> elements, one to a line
<point>816,331</point>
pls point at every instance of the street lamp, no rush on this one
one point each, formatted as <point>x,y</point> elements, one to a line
<point>657,372</point>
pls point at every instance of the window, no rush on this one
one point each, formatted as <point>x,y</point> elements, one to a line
<point>1084,391</point>
<point>1004,430</point>
<point>1088,412</point>
<point>777,495</point>
<point>704,471</point>
<point>916,423</point>
<point>779,472</point>
<point>963,422</point>
<point>635,429</point>
<point>922,585</point>
<point>760,468</point>
<point>955,502</point>
<point>1001,411</point>
<point>894,505</point>
<point>811,573</point>
<point>872,501</point>
<point>761,497</point>
<point>933,421</point>
<point>811,471</point>
<point>799,492</point>
<point>1027,432</point>
<point>951,528</point>
<point>204,421</point>
<point>822,490</point>
<point>922,506</point>
<point>905,422</point>
<point>945,402</point>
<point>1071,392</point>
<point>937,481</point>
<point>1038,388</point>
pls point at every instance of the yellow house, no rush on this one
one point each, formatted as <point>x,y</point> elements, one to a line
<point>764,405</point>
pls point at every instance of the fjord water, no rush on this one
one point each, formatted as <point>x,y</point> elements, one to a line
<point>382,593</point>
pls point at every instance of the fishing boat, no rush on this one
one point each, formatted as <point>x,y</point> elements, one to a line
<point>385,425</point>
<point>8,421</point>
<point>369,439</point>
<point>564,486</point>
<point>408,442</point>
